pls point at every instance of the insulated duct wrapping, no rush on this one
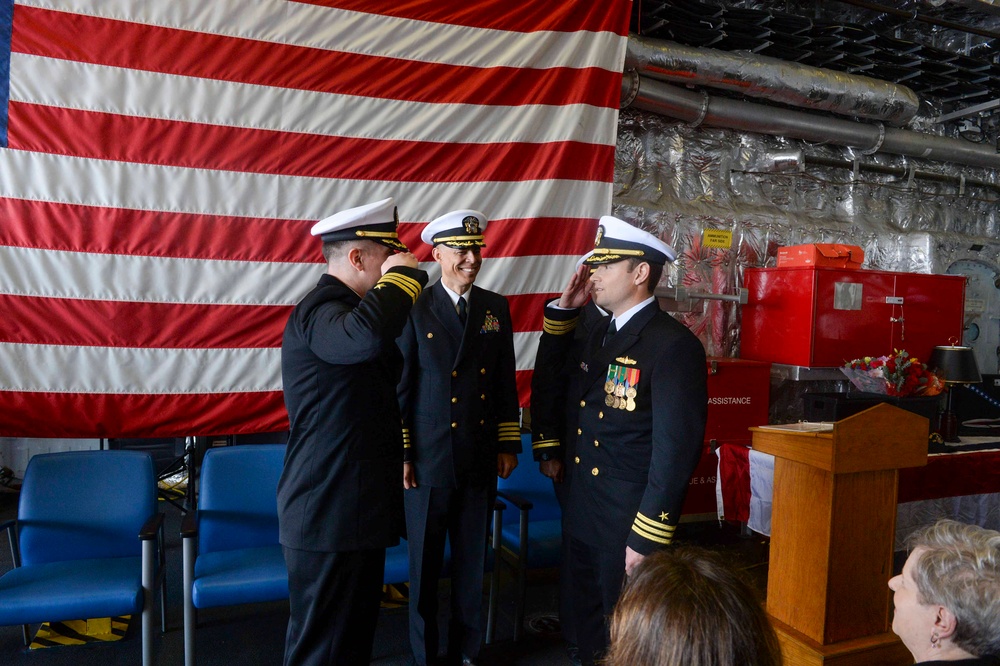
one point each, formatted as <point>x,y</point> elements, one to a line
<point>678,180</point>
<point>777,80</point>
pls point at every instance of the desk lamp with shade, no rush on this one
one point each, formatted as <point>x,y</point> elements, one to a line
<point>955,365</point>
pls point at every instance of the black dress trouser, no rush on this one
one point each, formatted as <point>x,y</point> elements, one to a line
<point>459,515</point>
<point>598,576</point>
<point>334,600</point>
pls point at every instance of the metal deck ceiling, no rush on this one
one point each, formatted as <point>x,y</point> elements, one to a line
<point>945,52</point>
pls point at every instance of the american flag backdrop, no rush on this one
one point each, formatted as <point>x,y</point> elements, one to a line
<point>162,161</point>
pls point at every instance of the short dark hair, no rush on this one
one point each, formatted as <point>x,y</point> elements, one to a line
<point>686,607</point>
<point>333,250</point>
<point>655,271</point>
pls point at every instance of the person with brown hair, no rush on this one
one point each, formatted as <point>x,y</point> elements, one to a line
<point>686,607</point>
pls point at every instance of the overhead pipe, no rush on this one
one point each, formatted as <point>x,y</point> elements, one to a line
<point>700,108</point>
<point>779,80</point>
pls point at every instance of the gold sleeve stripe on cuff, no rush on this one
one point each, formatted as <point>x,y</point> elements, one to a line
<point>405,287</point>
<point>654,525</point>
<point>545,443</point>
<point>556,327</point>
<point>407,445</point>
<point>652,537</point>
<point>409,285</point>
<point>402,280</point>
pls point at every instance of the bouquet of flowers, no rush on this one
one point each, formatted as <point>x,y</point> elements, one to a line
<point>899,374</point>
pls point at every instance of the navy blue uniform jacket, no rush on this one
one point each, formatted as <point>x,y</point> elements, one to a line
<point>630,468</point>
<point>341,486</point>
<point>458,393</point>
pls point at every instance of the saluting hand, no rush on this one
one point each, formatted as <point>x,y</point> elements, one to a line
<point>577,291</point>
<point>399,259</point>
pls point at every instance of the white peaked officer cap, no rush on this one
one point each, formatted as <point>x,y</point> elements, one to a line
<point>459,229</point>
<point>618,240</point>
<point>376,222</point>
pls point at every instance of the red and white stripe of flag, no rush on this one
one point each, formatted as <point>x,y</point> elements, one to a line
<point>166,160</point>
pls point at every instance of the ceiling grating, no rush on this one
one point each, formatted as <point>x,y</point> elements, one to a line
<point>841,37</point>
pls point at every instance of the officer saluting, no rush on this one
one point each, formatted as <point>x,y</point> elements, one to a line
<point>460,417</point>
<point>339,500</point>
<point>636,381</point>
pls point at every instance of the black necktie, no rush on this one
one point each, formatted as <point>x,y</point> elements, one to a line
<point>612,329</point>
<point>462,310</point>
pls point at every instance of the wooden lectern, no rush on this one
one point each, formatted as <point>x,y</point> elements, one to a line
<point>833,524</point>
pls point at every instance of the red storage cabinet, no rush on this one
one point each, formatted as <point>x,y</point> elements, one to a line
<point>738,399</point>
<point>825,317</point>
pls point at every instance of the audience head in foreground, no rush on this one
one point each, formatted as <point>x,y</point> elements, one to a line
<point>947,599</point>
<point>686,607</point>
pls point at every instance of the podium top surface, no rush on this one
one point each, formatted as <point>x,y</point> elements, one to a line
<point>883,437</point>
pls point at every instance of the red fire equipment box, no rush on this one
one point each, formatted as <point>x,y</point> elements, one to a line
<point>738,396</point>
<point>825,317</point>
<point>821,254</point>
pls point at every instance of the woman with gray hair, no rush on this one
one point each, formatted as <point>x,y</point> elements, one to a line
<point>947,599</point>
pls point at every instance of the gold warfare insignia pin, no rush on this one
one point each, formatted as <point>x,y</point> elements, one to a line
<point>471,224</point>
<point>625,360</point>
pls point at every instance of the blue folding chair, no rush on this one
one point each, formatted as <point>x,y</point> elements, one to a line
<point>87,542</point>
<point>230,543</point>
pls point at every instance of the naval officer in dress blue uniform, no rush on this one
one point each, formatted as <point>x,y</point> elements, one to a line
<point>339,500</point>
<point>460,417</point>
<point>627,396</point>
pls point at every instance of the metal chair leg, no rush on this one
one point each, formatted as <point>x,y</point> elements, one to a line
<point>522,569</point>
<point>495,542</point>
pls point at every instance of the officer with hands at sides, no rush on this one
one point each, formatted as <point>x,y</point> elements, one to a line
<point>461,427</point>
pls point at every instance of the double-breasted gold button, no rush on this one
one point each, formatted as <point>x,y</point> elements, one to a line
<point>430,335</point>
<point>482,397</point>
<point>482,371</point>
<point>577,460</point>
<point>583,403</point>
<point>579,431</point>
<point>454,373</point>
<point>454,400</point>
<point>600,415</point>
<point>454,425</point>
<point>594,471</point>
<point>596,443</point>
